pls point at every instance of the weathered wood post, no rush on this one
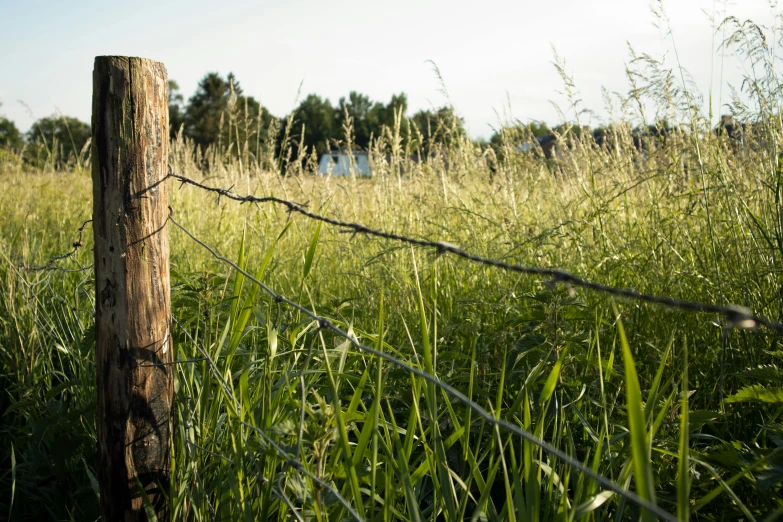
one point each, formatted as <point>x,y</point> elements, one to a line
<point>130,147</point>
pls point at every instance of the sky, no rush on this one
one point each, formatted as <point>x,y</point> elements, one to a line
<point>495,57</point>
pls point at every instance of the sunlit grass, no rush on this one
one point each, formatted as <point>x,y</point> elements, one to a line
<point>670,404</point>
<point>518,346</point>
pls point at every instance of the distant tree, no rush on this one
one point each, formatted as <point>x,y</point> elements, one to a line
<point>248,124</point>
<point>381,115</point>
<point>221,100</point>
<point>320,124</point>
<point>520,133</point>
<point>357,107</point>
<point>324,124</point>
<point>728,126</point>
<point>644,135</point>
<point>603,136</point>
<point>440,127</point>
<point>60,138</point>
<point>206,108</point>
<point>10,137</point>
<point>539,129</point>
<point>571,130</point>
<point>176,109</point>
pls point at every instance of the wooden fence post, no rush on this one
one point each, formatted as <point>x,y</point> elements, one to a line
<point>130,147</point>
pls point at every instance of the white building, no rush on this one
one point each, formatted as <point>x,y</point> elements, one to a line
<point>338,163</point>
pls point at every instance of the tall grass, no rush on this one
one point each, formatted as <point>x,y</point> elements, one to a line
<point>675,406</point>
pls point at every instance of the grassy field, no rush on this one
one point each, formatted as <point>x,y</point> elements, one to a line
<point>674,405</point>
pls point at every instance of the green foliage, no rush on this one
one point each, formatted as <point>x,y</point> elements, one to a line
<point>703,439</point>
<point>441,127</point>
<point>354,113</point>
<point>57,141</point>
<point>383,116</point>
<point>220,114</point>
<point>176,109</point>
<point>542,357</point>
<point>368,119</point>
<point>519,133</point>
<point>758,393</point>
<point>318,119</point>
<point>356,118</point>
<point>205,118</point>
<point>10,137</point>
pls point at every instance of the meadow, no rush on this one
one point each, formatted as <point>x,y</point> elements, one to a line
<point>678,406</point>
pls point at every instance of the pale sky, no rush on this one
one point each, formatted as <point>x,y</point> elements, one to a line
<point>492,54</point>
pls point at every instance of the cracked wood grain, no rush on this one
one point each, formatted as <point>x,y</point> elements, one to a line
<point>130,149</point>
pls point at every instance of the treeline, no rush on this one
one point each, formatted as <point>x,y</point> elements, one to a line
<point>221,117</point>
<point>54,140</point>
<point>220,114</point>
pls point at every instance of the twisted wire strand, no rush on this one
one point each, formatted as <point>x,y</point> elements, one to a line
<point>51,265</point>
<point>735,316</point>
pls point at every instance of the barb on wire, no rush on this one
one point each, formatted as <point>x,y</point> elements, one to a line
<point>325,323</point>
<point>51,265</point>
<point>734,315</point>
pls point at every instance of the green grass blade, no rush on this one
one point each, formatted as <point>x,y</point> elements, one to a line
<point>532,472</point>
<point>683,462</point>
<point>376,407</point>
<point>13,481</point>
<point>310,254</point>
<point>640,444</point>
<point>402,468</point>
<point>653,394</point>
<point>345,444</point>
<point>239,280</point>
<point>592,504</point>
<point>551,380</point>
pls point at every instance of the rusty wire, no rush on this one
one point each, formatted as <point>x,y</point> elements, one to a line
<point>326,324</point>
<point>52,264</point>
<point>735,316</point>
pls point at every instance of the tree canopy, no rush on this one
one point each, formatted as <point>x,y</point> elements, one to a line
<point>58,137</point>
<point>176,109</point>
<point>219,112</point>
<point>10,137</point>
<point>438,126</point>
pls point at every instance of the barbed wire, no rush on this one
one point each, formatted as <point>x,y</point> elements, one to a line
<point>325,323</point>
<point>736,316</point>
<point>51,265</point>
